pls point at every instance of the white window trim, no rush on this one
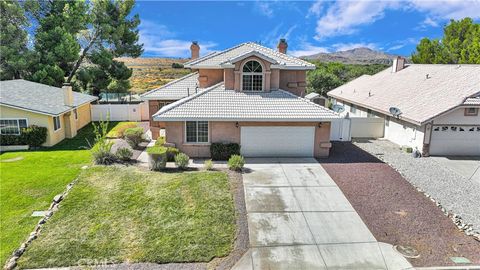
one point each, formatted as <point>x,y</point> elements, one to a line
<point>59,121</point>
<point>18,124</point>
<point>252,73</point>
<point>195,143</point>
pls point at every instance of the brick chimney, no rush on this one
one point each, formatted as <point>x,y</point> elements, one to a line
<point>282,46</point>
<point>195,49</point>
<point>398,64</point>
<point>67,94</point>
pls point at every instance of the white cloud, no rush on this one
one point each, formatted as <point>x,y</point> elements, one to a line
<point>271,38</point>
<point>158,40</point>
<point>430,22</point>
<point>344,17</point>
<point>402,43</point>
<point>264,8</point>
<point>448,9</point>
<point>306,49</point>
<point>315,9</point>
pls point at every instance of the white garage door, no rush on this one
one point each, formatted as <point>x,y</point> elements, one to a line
<point>277,141</point>
<point>455,141</point>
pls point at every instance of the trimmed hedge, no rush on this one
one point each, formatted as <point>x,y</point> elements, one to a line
<point>133,136</point>
<point>223,151</point>
<point>33,136</point>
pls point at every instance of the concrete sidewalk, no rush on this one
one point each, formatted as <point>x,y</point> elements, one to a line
<point>298,218</point>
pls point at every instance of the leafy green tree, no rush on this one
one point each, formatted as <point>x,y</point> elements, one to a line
<point>111,33</point>
<point>13,40</point>
<point>80,40</point>
<point>321,81</point>
<point>460,44</point>
<point>56,47</point>
<point>328,76</point>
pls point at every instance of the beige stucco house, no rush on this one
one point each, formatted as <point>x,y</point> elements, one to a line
<point>62,111</point>
<point>434,108</point>
<point>247,94</point>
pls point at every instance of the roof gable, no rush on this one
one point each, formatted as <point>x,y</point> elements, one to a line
<point>218,104</point>
<point>37,97</point>
<point>222,58</point>
<point>174,90</point>
<point>419,97</point>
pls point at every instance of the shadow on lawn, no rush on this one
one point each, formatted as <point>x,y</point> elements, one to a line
<point>347,152</point>
<point>84,140</point>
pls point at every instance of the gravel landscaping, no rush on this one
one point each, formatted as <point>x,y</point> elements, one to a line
<point>395,211</point>
<point>454,192</point>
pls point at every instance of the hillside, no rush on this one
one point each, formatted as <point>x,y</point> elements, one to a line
<point>354,56</point>
<point>150,73</point>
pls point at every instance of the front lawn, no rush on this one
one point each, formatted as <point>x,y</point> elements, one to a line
<point>30,183</point>
<point>123,214</point>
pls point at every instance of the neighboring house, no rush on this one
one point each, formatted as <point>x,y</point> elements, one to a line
<point>434,108</point>
<point>61,110</point>
<point>248,94</point>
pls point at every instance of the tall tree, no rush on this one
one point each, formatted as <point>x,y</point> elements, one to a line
<point>13,40</point>
<point>56,47</point>
<point>111,33</point>
<point>460,44</point>
<point>80,40</point>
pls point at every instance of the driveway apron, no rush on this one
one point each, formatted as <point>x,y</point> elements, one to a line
<point>298,218</point>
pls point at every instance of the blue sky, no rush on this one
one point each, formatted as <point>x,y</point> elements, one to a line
<point>168,28</point>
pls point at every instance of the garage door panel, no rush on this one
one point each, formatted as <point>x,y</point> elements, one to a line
<point>277,141</point>
<point>455,140</point>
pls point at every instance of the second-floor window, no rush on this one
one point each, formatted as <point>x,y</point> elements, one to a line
<point>252,76</point>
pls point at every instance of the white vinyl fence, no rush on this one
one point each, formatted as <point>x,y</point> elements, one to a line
<point>367,127</point>
<point>120,112</point>
<point>340,130</point>
<point>356,127</point>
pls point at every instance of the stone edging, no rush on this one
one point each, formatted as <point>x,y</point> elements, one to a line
<point>12,261</point>
<point>456,219</point>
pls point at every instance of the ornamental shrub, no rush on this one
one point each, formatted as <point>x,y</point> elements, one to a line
<point>102,150</point>
<point>133,136</point>
<point>34,136</point>
<point>157,157</point>
<point>236,163</point>
<point>171,153</point>
<point>160,141</point>
<point>208,164</point>
<point>223,151</point>
<point>181,160</point>
<point>10,140</point>
<point>102,155</point>
<point>124,153</point>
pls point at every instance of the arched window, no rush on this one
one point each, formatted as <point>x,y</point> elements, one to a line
<point>252,76</point>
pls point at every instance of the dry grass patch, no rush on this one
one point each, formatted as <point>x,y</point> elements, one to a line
<point>150,73</point>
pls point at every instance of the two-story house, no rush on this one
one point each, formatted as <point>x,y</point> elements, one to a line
<point>247,94</point>
<point>434,108</point>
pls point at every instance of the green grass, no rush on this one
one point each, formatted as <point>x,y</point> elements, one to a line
<point>120,214</point>
<point>119,128</point>
<point>31,183</point>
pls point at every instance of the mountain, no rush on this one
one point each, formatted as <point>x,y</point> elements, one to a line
<point>354,56</point>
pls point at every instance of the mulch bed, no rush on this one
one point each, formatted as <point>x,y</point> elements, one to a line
<point>394,211</point>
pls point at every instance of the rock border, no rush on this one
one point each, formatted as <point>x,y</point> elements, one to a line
<point>12,261</point>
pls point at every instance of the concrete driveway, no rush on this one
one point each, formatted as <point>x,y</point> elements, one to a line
<point>298,218</point>
<point>468,167</point>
